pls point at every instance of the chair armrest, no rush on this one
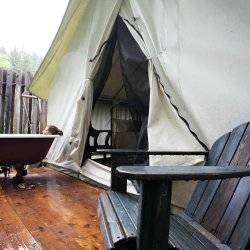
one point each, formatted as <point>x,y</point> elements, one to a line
<point>120,184</point>
<point>157,173</point>
<point>148,152</point>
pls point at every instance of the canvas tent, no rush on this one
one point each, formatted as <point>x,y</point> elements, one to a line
<point>197,55</point>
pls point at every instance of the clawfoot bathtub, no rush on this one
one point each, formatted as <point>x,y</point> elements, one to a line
<point>24,148</point>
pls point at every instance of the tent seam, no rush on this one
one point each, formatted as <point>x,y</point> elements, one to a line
<point>178,113</point>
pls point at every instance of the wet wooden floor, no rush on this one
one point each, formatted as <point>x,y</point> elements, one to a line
<point>59,213</point>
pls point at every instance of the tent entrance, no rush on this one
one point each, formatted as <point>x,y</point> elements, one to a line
<point>121,93</point>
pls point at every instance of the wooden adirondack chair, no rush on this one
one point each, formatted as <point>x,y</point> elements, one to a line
<point>217,216</point>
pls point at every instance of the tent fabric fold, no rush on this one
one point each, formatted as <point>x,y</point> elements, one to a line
<point>73,80</point>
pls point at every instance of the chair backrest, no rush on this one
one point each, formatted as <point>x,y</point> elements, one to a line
<point>95,136</point>
<point>223,206</point>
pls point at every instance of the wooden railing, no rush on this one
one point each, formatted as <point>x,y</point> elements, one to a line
<point>20,113</point>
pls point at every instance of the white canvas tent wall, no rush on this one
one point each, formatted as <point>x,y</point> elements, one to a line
<point>199,49</point>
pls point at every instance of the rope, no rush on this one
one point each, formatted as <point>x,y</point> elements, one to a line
<point>99,51</point>
<point>178,112</point>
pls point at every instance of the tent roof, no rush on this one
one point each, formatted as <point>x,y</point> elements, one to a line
<point>43,78</point>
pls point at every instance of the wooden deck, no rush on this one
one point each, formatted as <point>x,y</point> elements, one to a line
<point>59,213</point>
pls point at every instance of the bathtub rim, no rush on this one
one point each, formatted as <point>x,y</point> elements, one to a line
<point>27,136</point>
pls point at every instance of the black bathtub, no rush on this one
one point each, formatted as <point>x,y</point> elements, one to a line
<point>24,148</point>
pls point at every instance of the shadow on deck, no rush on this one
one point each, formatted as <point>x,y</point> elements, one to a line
<point>59,213</point>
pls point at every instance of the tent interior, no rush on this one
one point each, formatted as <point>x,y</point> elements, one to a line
<point>121,92</point>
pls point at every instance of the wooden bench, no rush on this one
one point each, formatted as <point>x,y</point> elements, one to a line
<point>217,216</point>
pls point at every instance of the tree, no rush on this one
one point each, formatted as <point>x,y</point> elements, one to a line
<point>19,60</point>
<point>24,61</point>
<point>35,62</point>
<point>15,58</point>
<point>5,61</point>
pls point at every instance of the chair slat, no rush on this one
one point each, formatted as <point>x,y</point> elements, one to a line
<point>131,205</point>
<point>104,226</point>
<point>233,210</point>
<point>240,238</point>
<point>225,159</point>
<point>193,232</point>
<point>128,225</point>
<point>212,160</point>
<point>216,150</point>
<point>227,187</point>
<point>115,230</point>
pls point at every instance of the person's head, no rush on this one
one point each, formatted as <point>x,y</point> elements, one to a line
<point>52,130</point>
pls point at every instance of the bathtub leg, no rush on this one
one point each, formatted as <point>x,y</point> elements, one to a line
<point>5,170</point>
<point>20,172</point>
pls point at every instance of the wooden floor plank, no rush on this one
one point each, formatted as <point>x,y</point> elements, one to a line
<point>17,235</point>
<point>59,213</point>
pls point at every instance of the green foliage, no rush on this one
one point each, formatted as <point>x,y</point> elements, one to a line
<point>19,60</point>
<point>5,61</point>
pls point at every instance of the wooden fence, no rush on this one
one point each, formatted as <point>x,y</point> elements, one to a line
<point>20,114</point>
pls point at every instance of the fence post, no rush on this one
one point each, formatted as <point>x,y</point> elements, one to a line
<point>18,114</point>
<point>2,100</point>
